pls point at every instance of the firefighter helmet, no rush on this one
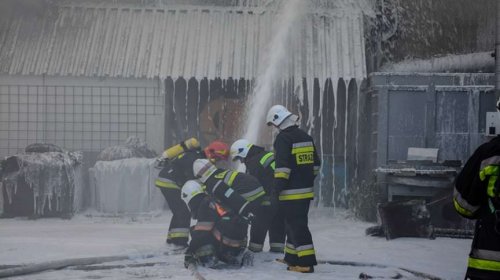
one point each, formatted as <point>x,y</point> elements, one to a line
<point>240,148</point>
<point>203,168</point>
<point>191,189</point>
<point>217,150</point>
<point>277,114</point>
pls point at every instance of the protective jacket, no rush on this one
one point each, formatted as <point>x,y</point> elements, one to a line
<point>297,164</point>
<point>171,178</point>
<point>260,164</point>
<point>241,192</point>
<point>476,196</point>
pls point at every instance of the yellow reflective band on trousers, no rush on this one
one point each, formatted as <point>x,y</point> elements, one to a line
<point>491,171</point>
<point>305,250</point>
<point>290,251</point>
<point>484,264</point>
<point>166,184</point>
<point>460,209</point>
<point>296,194</point>
<point>178,233</point>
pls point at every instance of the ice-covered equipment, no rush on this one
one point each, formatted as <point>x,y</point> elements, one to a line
<point>133,147</point>
<point>125,184</point>
<point>44,181</point>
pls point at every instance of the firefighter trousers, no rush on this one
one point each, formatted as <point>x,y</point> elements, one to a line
<point>277,230</point>
<point>178,231</point>
<point>299,249</point>
<point>268,219</point>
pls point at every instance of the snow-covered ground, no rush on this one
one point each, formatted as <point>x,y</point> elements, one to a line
<point>337,236</point>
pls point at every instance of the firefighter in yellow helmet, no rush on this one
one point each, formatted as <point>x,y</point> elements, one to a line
<point>296,166</point>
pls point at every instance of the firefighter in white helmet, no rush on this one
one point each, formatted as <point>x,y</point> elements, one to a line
<point>219,235</point>
<point>240,192</point>
<point>260,164</point>
<point>296,166</point>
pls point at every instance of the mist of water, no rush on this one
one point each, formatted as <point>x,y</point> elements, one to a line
<point>259,101</point>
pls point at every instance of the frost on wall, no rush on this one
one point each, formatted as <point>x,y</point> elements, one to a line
<point>134,147</point>
<point>125,186</point>
<point>41,184</point>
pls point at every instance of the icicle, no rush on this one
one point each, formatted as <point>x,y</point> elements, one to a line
<point>8,189</point>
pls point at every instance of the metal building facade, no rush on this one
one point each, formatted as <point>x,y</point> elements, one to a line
<point>148,41</point>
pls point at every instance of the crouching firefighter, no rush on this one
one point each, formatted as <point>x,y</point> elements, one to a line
<point>242,193</point>
<point>176,163</point>
<point>477,196</point>
<point>219,235</point>
<point>260,164</point>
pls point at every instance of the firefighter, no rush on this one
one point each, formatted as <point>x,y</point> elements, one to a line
<point>176,168</point>
<point>218,153</point>
<point>218,235</point>
<point>260,164</point>
<point>240,192</point>
<point>296,166</point>
<point>477,196</point>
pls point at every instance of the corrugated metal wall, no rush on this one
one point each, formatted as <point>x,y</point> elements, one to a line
<point>79,38</point>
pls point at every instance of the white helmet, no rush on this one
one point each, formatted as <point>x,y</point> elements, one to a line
<point>203,168</point>
<point>191,189</point>
<point>240,149</point>
<point>277,114</point>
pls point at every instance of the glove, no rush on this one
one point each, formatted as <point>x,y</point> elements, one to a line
<point>249,217</point>
<point>160,162</point>
<point>189,259</point>
<point>247,258</point>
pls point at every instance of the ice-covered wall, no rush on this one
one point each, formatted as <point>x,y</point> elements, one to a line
<point>125,186</point>
<point>408,29</point>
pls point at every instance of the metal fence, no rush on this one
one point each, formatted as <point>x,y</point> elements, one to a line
<point>84,118</point>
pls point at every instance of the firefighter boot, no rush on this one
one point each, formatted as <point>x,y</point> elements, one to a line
<point>302,269</point>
